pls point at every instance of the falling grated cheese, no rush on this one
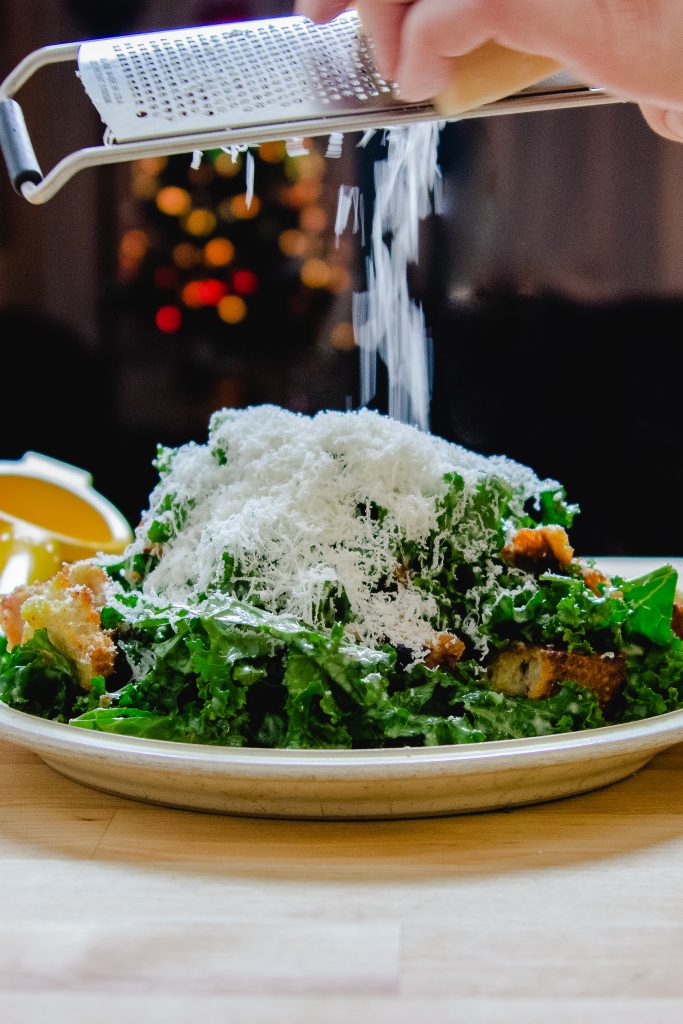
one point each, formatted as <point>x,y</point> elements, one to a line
<point>335,145</point>
<point>296,146</point>
<point>250,172</point>
<point>349,196</point>
<point>387,321</point>
<point>293,500</point>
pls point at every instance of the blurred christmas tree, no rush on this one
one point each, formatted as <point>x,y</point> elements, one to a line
<point>229,270</point>
<point>229,262</point>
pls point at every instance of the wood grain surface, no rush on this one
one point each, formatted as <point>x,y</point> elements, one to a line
<point>571,911</point>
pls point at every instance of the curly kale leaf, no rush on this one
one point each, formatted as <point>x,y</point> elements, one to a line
<point>558,610</point>
<point>499,717</point>
<point>133,722</point>
<point>655,681</point>
<point>313,716</point>
<point>170,516</point>
<point>555,509</point>
<point>464,709</point>
<point>37,678</point>
<point>131,570</point>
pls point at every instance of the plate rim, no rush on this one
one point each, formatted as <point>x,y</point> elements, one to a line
<point>48,737</point>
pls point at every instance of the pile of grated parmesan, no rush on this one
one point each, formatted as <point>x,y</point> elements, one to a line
<point>291,498</point>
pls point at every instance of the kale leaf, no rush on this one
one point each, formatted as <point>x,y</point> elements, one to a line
<point>37,678</point>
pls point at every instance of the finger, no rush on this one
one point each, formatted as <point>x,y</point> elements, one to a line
<point>382,23</point>
<point>320,10</point>
<point>429,41</point>
<point>667,123</point>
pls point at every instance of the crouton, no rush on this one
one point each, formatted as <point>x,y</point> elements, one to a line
<point>446,649</point>
<point>539,549</point>
<point>67,606</point>
<point>531,671</point>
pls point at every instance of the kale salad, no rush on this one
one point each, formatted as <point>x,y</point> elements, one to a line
<point>342,581</point>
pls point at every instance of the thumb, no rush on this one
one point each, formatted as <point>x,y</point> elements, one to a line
<point>667,123</point>
<point>320,10</point>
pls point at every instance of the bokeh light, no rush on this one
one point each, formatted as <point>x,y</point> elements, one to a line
<point>203,292</point>
<point>219,252</point>
<point>241,209</point>
<point>200,222</point>
<point>186,255</point>
<point>212,291</point>
<point>192,295</point>
<point>226,166</point>
<point>168,319</point>
<point>245,282</point>
<point>292,242</point>
<point>232,309</point>
<point>134,244</point>
<point>145,174</point>
<point>315,273</point>
<point>272,152</point>
<point>173,201</point>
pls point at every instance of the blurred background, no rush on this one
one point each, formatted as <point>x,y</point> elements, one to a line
<point>146,295</point>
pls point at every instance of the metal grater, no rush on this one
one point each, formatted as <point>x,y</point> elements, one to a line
<point>231,85</point>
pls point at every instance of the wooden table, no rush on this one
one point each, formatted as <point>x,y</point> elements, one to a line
<point>117,911</point>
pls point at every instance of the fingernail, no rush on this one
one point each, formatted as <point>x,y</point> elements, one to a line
<point>673,121</point>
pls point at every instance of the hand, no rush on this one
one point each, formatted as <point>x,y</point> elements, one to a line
<point>633,48</point>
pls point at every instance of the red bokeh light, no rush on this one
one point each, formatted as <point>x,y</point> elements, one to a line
<point>245,282</point>
<point>211,291</point>
<point>168,319</point>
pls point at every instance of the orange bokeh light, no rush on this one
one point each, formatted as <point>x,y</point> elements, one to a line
<point>173,201</point>
<point>219,252</point>
<point>200,222</point>
<point>134,244</point>
<point>292,242</point>
<point>232,309</point>
<point>242,210</point>
<point>315,273</point>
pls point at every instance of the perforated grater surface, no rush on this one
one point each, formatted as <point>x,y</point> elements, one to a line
<point>257,73</point>
<point>229,85</point>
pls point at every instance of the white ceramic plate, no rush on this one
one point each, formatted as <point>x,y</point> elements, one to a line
<point>403,782</point>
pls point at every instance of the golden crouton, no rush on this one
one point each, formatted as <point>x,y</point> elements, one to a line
<point>539,549</point>
<point>68,607</point>
<point>446,649</point>
<point>530,671</point>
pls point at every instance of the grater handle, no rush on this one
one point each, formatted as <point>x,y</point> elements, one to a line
<point>15,142</point>
<point>17,148</point>
<point>490,73</point>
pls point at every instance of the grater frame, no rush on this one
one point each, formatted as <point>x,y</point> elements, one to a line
<point>232,85</point>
